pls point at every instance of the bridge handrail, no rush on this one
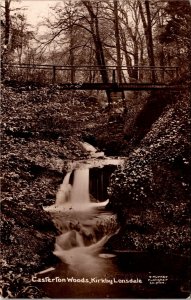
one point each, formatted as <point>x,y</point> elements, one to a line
<point>90,67</point>
<point>57,73</point>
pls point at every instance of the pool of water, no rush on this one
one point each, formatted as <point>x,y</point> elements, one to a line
<point>121,275</point>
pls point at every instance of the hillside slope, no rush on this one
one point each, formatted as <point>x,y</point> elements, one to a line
<point>41,130</point>
<point>151,192</point>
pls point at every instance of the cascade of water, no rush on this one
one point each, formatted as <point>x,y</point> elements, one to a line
<point>92,150</point>
<point>69,240</point>
<point>80,188</point>
<point>85,228</point>
<point>79,254</point>
<point>88,147</point>
<point>63,194</point>
<point>75,197</point>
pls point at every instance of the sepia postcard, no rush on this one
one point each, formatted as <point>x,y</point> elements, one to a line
<point>95,184</point>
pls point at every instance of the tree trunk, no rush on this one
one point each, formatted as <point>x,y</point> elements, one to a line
<point>117,41</point>
<point>72,74</point>
<point>136,60</point>
<point>7,22</point>
<point>148,36</point>
<point>127,57</point>
<point>7,28</point>
<point>150,39</point>
<point>98,46</point>
<point>162,62</point>
<point>141,73</point>
<point>71,51</point>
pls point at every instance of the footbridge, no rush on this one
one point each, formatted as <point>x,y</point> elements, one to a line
<point>87,77</point>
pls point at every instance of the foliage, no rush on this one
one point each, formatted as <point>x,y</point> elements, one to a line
<point>41,130</point>
<point>177,26</point>
<point>156,177</point>
<point>16,35</point>
<point>175,34</point>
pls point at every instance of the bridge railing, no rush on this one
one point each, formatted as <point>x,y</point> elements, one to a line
<point>90,74</point>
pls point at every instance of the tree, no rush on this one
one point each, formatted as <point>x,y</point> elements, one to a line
<point>21,36</point>
<point>94,25</point>
<point>148,35</point>
<point>6,28</point>
<point>15,33</point>
<point>175,34</point>
<point>117,40</point>
<point>132,40</point>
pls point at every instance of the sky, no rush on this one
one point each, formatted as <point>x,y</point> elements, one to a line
<point>35,9</point>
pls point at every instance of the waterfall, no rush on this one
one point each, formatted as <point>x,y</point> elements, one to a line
<point>80,188</point>
<point>63,194</point>
<point>76,196</point>
<point>85,226</point>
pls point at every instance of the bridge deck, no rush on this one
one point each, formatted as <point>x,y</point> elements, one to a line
<point>118,87</point>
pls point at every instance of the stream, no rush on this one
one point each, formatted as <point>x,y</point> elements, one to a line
<point>87,269</point>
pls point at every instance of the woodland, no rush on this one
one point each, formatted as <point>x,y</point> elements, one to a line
<point>43,125</point>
